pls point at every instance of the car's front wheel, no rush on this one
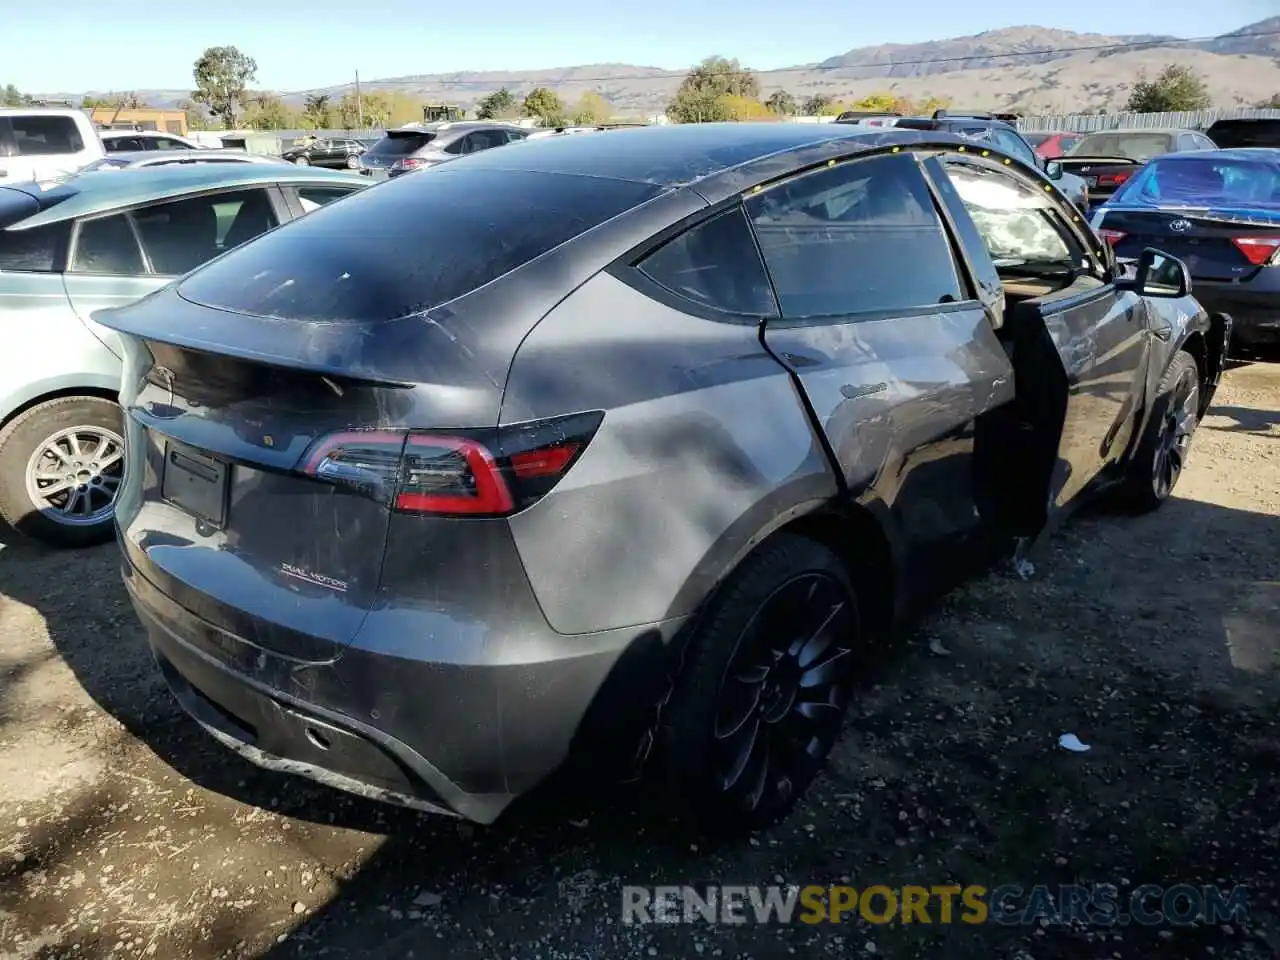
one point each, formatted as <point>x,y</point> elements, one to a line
<point>764,687</point>
<point>1161,455</point>
<point>61,464</point>
<point>353,162</point>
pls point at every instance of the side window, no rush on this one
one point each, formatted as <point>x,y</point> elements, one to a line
<point>182,234</point>
<point>461,145</point>
<point>107,246</point>
<point>44,135</point>
<point>31,251</point>
<point>862,236</point>
<point>1012,144</point>
<point>166,143</point>
<point>485,139</point>
<point>1019,224</point>
<point>123,144</point>
<point>714,264</point>
<point>313,198</point>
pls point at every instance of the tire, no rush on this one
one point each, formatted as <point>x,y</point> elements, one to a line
<point>69,423</point>
<point>353,162</point>
<point>302,161</point>
<point>1158,462</point>
<point>773,656</point>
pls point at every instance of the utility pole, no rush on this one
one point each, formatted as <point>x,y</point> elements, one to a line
<point>359,101</point>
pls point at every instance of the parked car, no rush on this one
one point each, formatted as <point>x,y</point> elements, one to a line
<point>1246,132</point>
<point>1051,144</point>
<point>168,158</point>
<point>1107,160</point>
<point>339,154</point>
<point>1004,136</point>
<point>422,145</point>
<point>622,447</point>
<point>1220,212</point>
<point>133,141</point>
<point>103,239</point>
<point>43,143</point>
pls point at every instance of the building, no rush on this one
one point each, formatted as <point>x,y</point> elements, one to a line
<point>144,118</point>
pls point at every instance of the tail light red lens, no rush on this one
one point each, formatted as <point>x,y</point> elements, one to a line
<point>448,473</point>
<point>1111,236</point>
<point>1259,251</point>
<point>1113,179</point>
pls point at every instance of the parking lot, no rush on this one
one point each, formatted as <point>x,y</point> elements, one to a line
<point>126,832</point>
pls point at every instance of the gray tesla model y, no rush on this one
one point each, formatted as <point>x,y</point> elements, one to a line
<point>623,447</point>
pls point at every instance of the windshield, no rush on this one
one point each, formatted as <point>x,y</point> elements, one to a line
<point>401,144</point>
<point>1186,181</point>
<point>1136,146</point>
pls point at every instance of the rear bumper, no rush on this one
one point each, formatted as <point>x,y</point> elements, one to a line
<point>463,739</point>
<point>1254,308</point>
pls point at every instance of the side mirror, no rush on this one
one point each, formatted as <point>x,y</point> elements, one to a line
<point>1053,170</point>
<point>1158,275</point>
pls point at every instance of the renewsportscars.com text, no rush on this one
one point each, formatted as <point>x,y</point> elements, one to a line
<point>1012,905</point>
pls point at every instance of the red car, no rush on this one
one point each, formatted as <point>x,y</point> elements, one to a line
<point>1052,145</point>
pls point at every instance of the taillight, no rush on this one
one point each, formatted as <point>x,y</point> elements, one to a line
<point>453,473</point>
<point>1111,236</point>
<point>410,163</point>
<point>1113,179</point>
<point>1259,251</point>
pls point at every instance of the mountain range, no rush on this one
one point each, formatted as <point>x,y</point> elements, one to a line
<point>1030,69</point>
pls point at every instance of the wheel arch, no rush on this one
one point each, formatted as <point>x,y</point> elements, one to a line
<point>37,394</point>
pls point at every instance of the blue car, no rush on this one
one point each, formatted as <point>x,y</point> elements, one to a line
<point>1219,212</point>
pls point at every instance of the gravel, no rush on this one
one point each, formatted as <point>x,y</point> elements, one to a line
<point>126,832</point>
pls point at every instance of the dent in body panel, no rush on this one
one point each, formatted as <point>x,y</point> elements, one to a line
<point>47,348</point>
<point>701,428</point>
<point>898,399</point>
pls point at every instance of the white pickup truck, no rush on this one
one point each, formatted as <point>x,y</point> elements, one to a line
<point>43,143</point>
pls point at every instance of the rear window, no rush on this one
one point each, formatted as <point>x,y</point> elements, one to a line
<point>43,135</point>
<point>1206,182</point>
<point>410,244</point>
<point>1136,146</point>
<point>400,144</point>
<point>1245,133</point>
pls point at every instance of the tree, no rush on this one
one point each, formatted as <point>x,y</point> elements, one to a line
<point>782,103</point>
<point>373,108</point>
<point>1272,104</point>
<point>222,75</point>
<point>1177,88</point>
<point>699,98</point>
<point>590,109</point>
<point>501,104</point>
<point>543,103</point>
<point>816,105</point>
<point>117,101</point>
<point>737,107</point>
<point>882,102</point>
<point>266,111</point>
<point>11,96</point>
<point>316,111</point>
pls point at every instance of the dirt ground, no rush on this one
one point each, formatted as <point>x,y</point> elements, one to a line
<point>126,832</point>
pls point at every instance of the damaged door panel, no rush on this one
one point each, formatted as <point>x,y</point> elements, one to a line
<point>893,353</point>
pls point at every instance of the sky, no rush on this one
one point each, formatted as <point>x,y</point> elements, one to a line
<point>150,44</point>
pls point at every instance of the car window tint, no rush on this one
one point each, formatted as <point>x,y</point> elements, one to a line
<point>167,143</point>
<point>42,135</point>
<point>31,251</point>
<point>1014,219</point>
<point>182,234</point>
<point>862,236</point>
<point>122,144</point>
<point>715,264</point>
<point>313,198</point>
<point>1207,182</point>
<point>485,139</point>
<point>107,245</point>
<point>410,244</point>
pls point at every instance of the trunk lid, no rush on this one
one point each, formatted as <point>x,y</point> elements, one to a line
<point>1215,244</point>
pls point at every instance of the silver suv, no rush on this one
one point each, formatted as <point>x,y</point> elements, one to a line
<point>421,145</point>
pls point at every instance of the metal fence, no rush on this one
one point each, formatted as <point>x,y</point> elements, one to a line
<point>1090,123</point>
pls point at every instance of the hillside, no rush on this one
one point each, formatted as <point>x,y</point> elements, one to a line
<point>1031,68</point>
